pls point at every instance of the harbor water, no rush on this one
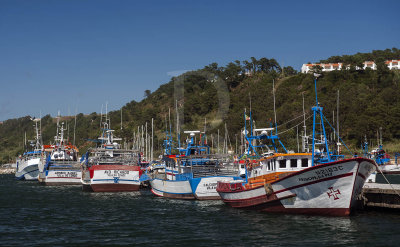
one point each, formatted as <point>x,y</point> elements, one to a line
<point>35,215</point>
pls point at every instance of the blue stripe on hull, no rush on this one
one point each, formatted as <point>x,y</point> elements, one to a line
<point>22,177</point>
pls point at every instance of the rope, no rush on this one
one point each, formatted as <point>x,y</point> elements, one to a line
<point>388,181</point>
<point>292,119</point>
<point>293,126</point>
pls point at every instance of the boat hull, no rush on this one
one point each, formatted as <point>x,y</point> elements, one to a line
<point>327,189</point>
<point>204,188</point>
<point>172,189</point>
<point>27,170</point>
<point>114,178</point>
<point>60,177</point>
<point>390,169</point>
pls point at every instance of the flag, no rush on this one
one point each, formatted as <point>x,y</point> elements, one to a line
<point>247,117</point>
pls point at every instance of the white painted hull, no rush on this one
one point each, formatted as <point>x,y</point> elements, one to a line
<point>61,177</point>
<point>172,189</point>
<point>114,178</point>
<point>390,169</point>
<point>205,188</point>
<point>328,189</point>
<point>27,169</point>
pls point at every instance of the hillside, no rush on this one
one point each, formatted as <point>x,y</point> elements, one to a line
<point>368,100</point>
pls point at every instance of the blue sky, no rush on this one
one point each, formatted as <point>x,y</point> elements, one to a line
<point>78,54</point>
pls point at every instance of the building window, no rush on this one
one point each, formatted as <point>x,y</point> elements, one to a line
<point>293,163</point>
<point>304,162</point>
<point>282,164</point>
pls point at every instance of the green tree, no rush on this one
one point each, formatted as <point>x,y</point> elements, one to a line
<point>147,93</point>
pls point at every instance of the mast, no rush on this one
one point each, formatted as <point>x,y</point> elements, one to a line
<point>109,124</point>
<point>305,138</point>
<point>101,115</point>
<point>178,135</point>
<point>25,140</point>
<point>218,142</point>
<point>337,119</point>
<point>297,137</point>
<point>273,93</point>
<point>226,139</point>
<point>251,118</point>
<point>75,126</point>
<point>317,110</point>
<point>40,127</point>
<point>121,118</point>
<point>337,112</point>
<point>146,144</point>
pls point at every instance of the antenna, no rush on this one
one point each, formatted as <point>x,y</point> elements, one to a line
<point>101,115</point>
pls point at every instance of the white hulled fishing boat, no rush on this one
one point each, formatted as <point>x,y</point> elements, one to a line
<point>329,187</point>
<point>109,168</point>
<point>193,174</point>
<point>60,167</point>
<point>27,165</point>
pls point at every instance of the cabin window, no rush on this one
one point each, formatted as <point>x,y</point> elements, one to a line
<point>304,162</point>
<point>282,164</point>
<point>269,165</point>
<point>293,163</point>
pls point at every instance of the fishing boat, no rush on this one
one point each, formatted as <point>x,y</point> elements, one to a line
<point>327,186</point>
<point>109,168</point>
<point>27,163</point>
<point>193,173</point>
<point>60,165</point>
<point>382,159</point>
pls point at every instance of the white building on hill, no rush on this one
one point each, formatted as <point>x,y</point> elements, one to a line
<point>326,67</point>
